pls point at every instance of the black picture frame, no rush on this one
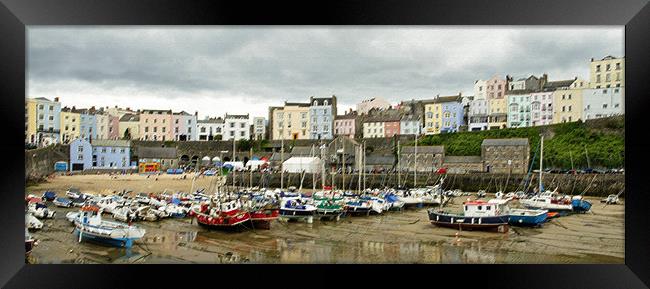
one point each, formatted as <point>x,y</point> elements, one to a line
<point>15,15</point>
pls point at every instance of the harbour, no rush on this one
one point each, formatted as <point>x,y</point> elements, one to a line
<point>405,236</point>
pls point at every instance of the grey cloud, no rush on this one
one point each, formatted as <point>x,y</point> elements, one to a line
<point>292,64</point>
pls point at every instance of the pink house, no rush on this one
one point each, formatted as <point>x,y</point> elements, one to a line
<point>495,88</point>
<point>391,127</point>
<point>113,127</point>
<point>156,125</point>
<point>345,125</point>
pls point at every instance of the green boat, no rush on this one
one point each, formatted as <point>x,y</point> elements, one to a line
<point>328,209</point>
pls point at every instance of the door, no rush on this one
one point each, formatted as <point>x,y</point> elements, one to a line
<point>77,167</point>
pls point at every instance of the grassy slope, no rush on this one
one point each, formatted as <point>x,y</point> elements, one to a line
<point>604,140</point>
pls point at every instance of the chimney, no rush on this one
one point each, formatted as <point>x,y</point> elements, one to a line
<point>196,113</point>
<point>592,59</point>
<point>56,99</point>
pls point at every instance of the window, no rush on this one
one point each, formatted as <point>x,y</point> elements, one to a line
<point>608,67</point>
<point>618,66</point>
<point>176,121</point>
<point>232,133</point>
<point>597,68</point>
<point>242,125</point>
<point>122,150</point>
<point>202,129</point>
<point>597,77</point>
<point>112,150</point>
<point>146,129</point>
<point>480,208</point>
<point>80,149</point>
<point>232,125</point>
<point>241,133</point>
<point>80,157</point>
<point>155,120</point>
<point>163,129</point>
<point>616,105</point>
<point>103,150</point>
<point>155,129</point>
<point>40,106</point>
<point>487,207</point>
<point>604,105</point>
<point>607,77</point>
<point>569,96</point>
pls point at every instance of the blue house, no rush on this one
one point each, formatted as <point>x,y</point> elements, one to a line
<point>452,113</point>
<point>111,154</point>
<point>81,155</point>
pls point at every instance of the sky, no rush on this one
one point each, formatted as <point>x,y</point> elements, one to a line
<point>245,69</point>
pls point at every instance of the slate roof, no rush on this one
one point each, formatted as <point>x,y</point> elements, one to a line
<point>130,117</point>
<point>380,160</point>
<point>157,153</point>
<point>423,149</point>
<point>110,143</point>
<point>553,85</point>
<point>443,99</point>
<point>505,142</point>
<point>211,120</point>
<point>304,151</point>
<point>462,159</point>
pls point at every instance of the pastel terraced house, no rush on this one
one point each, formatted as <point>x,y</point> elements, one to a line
<point>42,123</point>
<point>290,121</point>
<point>568,102</point>
<point>607,72</point>
<point>444,114</point>
<point>603,102</point>
<point>322,112</point>
<point>156,125</point>
<point>345,125</point>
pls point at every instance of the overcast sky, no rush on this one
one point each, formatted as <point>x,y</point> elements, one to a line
<point>214,70</point>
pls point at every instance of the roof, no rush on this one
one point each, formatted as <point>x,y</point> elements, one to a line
<point>211,120</point>
<point>505,142</point>
<point>443,99</point>
<point>110,143</point>
<point>380,160</point>
<point>181,113</point>
<point>382,118</point>
<point>346,116</point>
<point>321,100</point>
<point>237,116</point>
<point>156,152</point>
<point>423,149</point>
<point>278,156</point>
<point>304,150</point>
<point>303,104</point>
<point>159,111</point>
<point>462,159</point>
<point>130,117</point>
<point>553,85</point>
<point>41,98</point>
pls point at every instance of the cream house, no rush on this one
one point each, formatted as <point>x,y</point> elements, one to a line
<point>290,121</point>
<point>607,72</point>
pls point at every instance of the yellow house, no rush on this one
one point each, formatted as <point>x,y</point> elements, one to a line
<point>290,121</point>
<point>607,72</point>
<point>497,113</point>
<point>568,102</point>
<point>70,127</point>
<point>30,120</point>
<point>432,117</point>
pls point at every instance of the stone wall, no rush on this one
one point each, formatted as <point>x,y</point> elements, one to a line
<point>602,185</point>
<point>39,163</point>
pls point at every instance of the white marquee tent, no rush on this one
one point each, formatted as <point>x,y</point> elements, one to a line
<point>302,164</point>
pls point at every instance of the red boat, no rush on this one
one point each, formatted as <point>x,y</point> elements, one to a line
<point>262,218</point>
<point>224,215</point>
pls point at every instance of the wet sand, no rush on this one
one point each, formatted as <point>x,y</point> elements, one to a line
<point>395,237</point>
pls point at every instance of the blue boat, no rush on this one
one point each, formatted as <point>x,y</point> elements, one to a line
<point>580,206</point>
<point>90,226</point>
<point>49,196</point>
<point>62,202</point>
<point>527,218</point>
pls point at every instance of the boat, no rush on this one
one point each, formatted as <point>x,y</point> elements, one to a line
<point>220,214</point>
<point>90,226</point>
<point>30,243</point>
<point>32,223</point>
<point>611,199</point>
<point>548,201</point>
<point>410,198</point>
<point>62,202</point>
<point>329,209</point>
<point>263,211</point>
<point>73,193</point>
<point>108,204</point>
<point>395,203</point>
<point>357,206</point>
<point>481,194</point>
<point>521,217</point>
<point>297,207</point>
<point>40,210</point>
<point>580,205</point>
<point>48,196</point>
<point>477,215</point>
<point>175,211</point>
<point>124,214</point>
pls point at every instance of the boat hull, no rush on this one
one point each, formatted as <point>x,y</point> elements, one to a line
<point>118,242</point>
<point>262,219</point>
<point>227,222</point>
<point>495,223</point>
<point>581,206</point>
<point>528,220</point>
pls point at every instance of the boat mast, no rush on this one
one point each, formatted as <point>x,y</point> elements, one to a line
<point>359,169</point>
<point>363,162</point>
<point>343,165</point>
<point>399,167</point>
<point>282,165</point>
<point>541,158</point>
<point>250,178</point>
<point>313,173</point>
<point>233,168</point>
<point>587,155</point>
<point>415,171</point>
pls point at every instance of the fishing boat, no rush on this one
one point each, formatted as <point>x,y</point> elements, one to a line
<point>521,217</point>
<point>263,211</point>
<point>62,202</point>
<point>223,215</point>
<point>477,215</point>
<point>90,226</point>
<point>297,207</point>
<point>329,209</point>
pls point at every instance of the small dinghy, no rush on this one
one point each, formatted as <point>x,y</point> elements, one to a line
<point>32,222</point>
<point>580,205</point>
<point>90,226</point>
<point>48,196</point>
<point>41,211</point>
<point>62,202</point>
<point>297,207</point>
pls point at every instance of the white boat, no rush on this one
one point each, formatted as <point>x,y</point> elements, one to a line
<point>611,199</point>
<point>73,193</point>
<point>89,225</point>
<point>108,204</point>
<point>32,222</point>
<point>124,214</point>
<point>548,201</point>
<point>41,211</point>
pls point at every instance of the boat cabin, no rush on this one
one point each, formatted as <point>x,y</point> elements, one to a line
<point>482,209</point>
